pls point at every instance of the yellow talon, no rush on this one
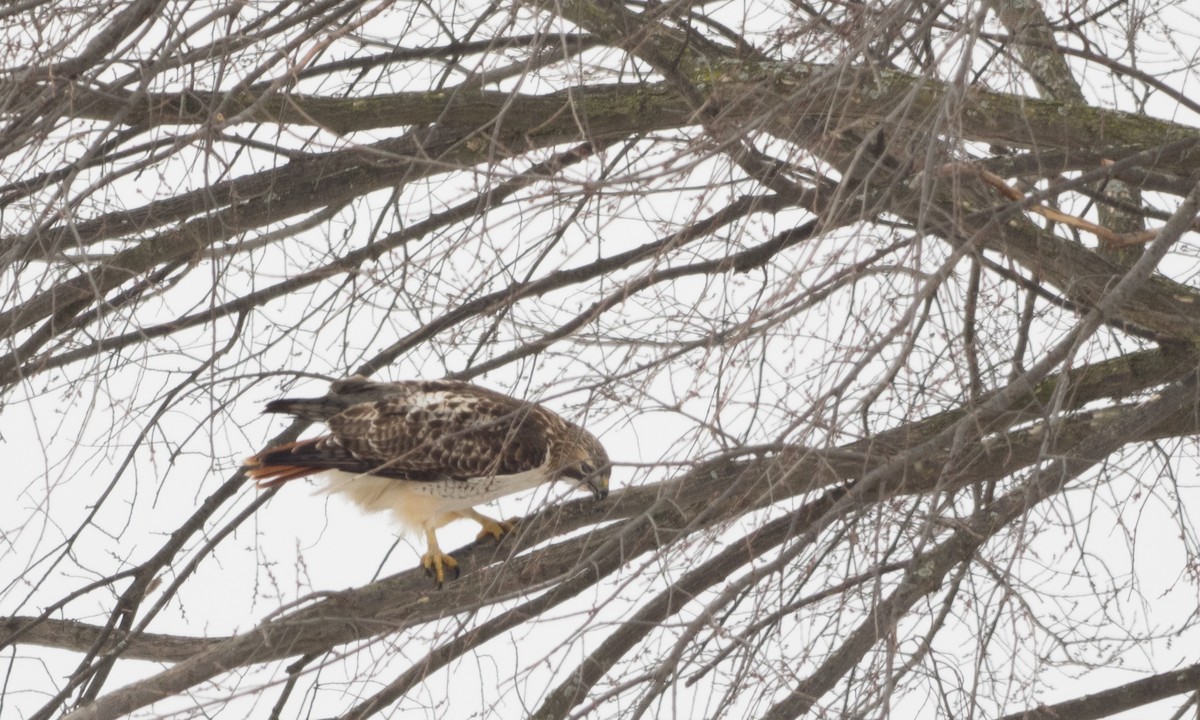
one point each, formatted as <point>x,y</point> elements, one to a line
<point>494,529</point>
<point>436,562</point>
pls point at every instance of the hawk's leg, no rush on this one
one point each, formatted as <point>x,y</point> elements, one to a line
<point>435,561</point>
<point>491,528</point>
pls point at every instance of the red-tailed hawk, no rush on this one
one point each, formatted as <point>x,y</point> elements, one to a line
<point>430,451</point>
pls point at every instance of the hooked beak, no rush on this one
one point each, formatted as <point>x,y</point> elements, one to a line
<point>598,485</point>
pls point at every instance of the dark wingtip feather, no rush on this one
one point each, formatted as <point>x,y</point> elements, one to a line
<point>277,406</point>
<point>308,408</point>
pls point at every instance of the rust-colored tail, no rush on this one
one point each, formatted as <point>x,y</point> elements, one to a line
<point>275,466</point>
<point>279,464</point>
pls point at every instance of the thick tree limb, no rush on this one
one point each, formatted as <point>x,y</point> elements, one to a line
<point>1121,698</point>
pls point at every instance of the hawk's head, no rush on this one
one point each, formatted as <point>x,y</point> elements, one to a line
<point>586,462</point>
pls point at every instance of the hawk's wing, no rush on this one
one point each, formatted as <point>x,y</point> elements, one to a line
<point>437,432</point>
<point>445,433</point>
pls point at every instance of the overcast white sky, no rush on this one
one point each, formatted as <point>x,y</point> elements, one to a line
<point>118,428</point>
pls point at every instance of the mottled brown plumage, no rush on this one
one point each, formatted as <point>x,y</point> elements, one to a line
<point>431,450</point>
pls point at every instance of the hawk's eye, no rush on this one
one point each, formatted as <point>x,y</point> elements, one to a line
<point>579,472</point>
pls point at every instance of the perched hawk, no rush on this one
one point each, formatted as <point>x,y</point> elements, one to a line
<point>431,450</point>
